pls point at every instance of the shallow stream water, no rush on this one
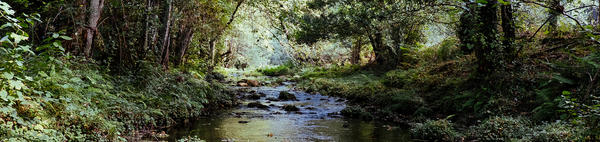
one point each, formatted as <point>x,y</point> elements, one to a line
<point>318,119</point>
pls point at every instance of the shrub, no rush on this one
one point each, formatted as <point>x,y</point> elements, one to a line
<point>501,128</point>
<point>556,132</point>
<point>435,130</point>
<point>357,112</point>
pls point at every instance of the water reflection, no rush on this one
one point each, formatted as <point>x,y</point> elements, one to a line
<point>289,129</point>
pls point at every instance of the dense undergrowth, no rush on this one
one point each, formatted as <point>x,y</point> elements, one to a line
<point>47,95</point>
<point>554,90</point>
<point>73,102</point>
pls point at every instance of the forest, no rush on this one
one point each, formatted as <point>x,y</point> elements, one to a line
<point>300,70</point>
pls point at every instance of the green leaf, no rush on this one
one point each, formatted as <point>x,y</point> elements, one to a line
<point>55,35</point>
<point>16,84</point>
<point>8,75</point>
<point>562,79</point>
<point>66,38</point>
<point>4,95</point>
<point>6,8</point>
<point>566,93</point>
<point>18,38</point>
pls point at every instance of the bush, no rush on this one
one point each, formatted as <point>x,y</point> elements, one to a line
<point>556,132</point>
<point>438,130</point>
<point>357,112</point>
<point>501,129</point>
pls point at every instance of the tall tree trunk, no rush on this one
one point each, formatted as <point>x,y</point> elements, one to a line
<point>184,41</point>
<point>553,13</point>
<point>147,28</point>
<point>212,52</point>
<point>508,28</point>
<point>166,36</point>
<point>96,7</point>
<point>355,57</point>
<point>489,23</point>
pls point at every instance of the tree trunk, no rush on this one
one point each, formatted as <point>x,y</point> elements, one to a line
<point>355,58</point>
<point>212,51</point>
<point>147,29</point>
<point>184,42</point>
<point>212,42</point>
<point>509,29</point>
<point>167,28</point>
<point>553,13</point>
<point>489,23</point>
<point>96,7</point>
<point>378,48</point>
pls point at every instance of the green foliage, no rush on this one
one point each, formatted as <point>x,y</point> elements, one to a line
<point>332,72</point>
<point>556,132</point>
<point>501,128</point>
<point>357,112</point>
<point>399,78</point>
<point>435,130</point>
<point>404,102</point>
<point>444,51</point>
<point>277,71</point>
<point>47,96</point>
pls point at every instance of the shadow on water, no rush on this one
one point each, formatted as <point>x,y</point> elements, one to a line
<point>317,120</point>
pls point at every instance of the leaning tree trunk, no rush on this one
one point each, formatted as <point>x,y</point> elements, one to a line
<point>509,29</point>
<point>96,7</point>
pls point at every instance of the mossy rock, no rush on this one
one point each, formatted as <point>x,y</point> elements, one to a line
<point>253,97</point>
<point>257,105</point>
<point>290,108</point>
<point>287,96</point>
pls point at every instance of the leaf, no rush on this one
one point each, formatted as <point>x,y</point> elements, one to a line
<point>4,95</point>
<point>562,79</point>
<point>18,38</point>
<point>8,76</point>
<point>66,38</point>
<point>55,35</point>
<point>6,25</point>
<point>6,8</point>
<point>16,84</point>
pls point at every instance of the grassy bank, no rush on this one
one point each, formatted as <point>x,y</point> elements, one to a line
<point>542,95</point>
<point>82,102</point>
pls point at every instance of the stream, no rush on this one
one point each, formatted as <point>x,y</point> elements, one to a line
<point>317,119</point>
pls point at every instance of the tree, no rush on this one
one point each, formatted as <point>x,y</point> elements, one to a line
<point>96,7</point>
<point>378,21</point>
